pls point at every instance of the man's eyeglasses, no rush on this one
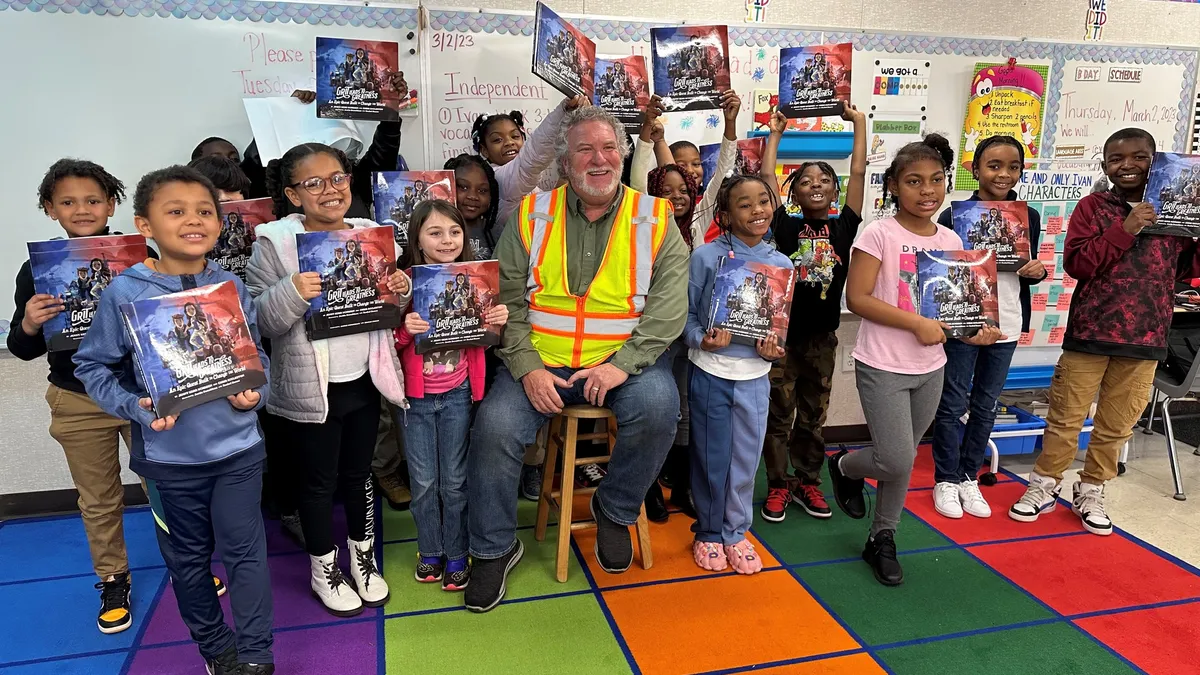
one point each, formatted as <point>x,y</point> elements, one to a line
<point>316,184</point>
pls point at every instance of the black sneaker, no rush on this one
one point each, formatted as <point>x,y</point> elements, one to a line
<point>847,492</point>
<point>614,547</point>
<point>682,500</point>
<point>258,669</point>
<point>589,475</point>
<point>456,580</point>
<point>114,605</point>
<point>490,580</point>
<point>429,571</point>
<point>880,554</point>
<point>225,664</point>
<point>292,528</point>
<point>531,481</point>
<point>656,505</point>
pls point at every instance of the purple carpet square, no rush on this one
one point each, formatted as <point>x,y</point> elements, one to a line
<point>278,542</point>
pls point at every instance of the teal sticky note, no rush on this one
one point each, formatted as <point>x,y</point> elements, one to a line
<point>1050,211</point>
<point>1049,321</point>
<point>1059,240</point>
<point>1052,294</point>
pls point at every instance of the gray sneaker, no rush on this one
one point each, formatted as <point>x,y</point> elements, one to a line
<point>531,481</point>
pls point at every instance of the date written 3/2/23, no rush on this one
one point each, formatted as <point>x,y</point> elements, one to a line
<point>452,42</point>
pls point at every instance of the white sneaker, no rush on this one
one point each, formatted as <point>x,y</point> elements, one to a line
<point>1040,497</point>
<point>364,575</point>
<point>945,500</point>
<point>972,499</point>
<point>1087,501</point>
<point>330,587</point>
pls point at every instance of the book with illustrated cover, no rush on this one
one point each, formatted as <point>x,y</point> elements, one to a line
<point>909,293</point>
<point>354,266</point>
<point>453,298</point>
<point>767,102</point>
<point>236,241</point>
<point>1002,227</point>
<point>691,66</point>
<point>77,271</point>
<point>751,300</point>
<point>354,79</point>
<point>193,347</point>
<point>397,193</point>
<point>563,56</point>
<point>747,163</point>
<point>623,89</point>
<point>1173,189</point>
<point>958,288</point>
<point>814,81</point>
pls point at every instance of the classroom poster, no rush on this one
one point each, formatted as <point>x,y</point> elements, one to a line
<point>1057,181</point>
<point>1050,300</point>
<point>691,66</point>
<point>766,102</point>
<point>900,85</point>
<point>354,79</point>
<point>888,132</point>
<point>814,81</point>
<point>1005,100</point>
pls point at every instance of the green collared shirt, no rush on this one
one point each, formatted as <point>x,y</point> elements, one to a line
<point>666,304</point>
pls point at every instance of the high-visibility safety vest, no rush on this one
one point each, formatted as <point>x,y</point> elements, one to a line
<point>581,332</point>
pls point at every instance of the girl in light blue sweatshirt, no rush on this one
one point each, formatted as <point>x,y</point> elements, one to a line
<point>729,391</point>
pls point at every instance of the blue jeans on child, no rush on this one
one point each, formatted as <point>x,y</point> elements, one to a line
<point>647,410</point>
<point>222,514</point>
<point>435,443</point>
<point>728,425</point>
<point>974,377</point>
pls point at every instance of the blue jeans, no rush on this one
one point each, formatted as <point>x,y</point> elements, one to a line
<point>647,409</point>
<point>974,378</point>
<point>435,444</point>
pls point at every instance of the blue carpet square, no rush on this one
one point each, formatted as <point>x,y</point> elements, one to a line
<point>107,664</point>
<point>56,547</point>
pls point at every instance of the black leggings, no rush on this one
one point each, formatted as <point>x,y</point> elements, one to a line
<point>337,453</point>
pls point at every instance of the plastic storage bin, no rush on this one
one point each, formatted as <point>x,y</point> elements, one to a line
<point>1022,438</point>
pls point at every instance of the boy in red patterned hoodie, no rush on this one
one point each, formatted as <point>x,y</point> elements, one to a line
<point>1116,332</point>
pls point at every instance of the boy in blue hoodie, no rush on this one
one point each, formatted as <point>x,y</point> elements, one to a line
<point>203,468</point>
<point>729,390</point>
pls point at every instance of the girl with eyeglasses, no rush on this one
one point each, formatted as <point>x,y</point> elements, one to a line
<point>326,391</point>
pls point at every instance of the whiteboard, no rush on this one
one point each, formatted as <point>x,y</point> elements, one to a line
<point>137,93</point>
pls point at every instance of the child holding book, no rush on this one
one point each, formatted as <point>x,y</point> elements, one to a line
<point>81,196</point>
<point>898,358</point>
<point>203,467</point>
<point>442,386</point>
<point>1116,333</point>
<point>819,247</point>
<point>729,390</point>
<point>328,390</point>
<point>974,376</point>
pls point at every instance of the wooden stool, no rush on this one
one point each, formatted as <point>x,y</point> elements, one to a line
<point>563,435</point>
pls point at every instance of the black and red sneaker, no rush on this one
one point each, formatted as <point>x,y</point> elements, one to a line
<point>775,508</point>
<point>812,501</point>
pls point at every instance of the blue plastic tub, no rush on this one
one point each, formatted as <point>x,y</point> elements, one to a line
<point>1022,438</point>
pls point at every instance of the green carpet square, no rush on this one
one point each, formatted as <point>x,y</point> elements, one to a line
<point>408,594</point>
<point>943,592</point>
<point>804,539</point>
<point>1054,648</point>
<point>550,636</point>
<point>399,525</point>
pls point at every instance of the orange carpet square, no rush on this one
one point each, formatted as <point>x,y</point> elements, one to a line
<point>1089,573</point>
<point>855,664</point>
<point>972,530</point>
<point>1159,640</point>
<point>717,619</point>
<point>671,545</point>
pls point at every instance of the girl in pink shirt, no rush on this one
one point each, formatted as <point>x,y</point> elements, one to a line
<point>442,386</point>
<point>899,357</point>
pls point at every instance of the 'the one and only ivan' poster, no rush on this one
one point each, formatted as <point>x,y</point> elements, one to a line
<point>691,66</point>
<point>193,347</point>
<point>814,81</point>
<point>354,79</point>
<point>354,266</point>
<point>453,298</point>
<point>77,271</point>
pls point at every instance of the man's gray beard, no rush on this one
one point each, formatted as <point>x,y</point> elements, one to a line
<point>579,183</point>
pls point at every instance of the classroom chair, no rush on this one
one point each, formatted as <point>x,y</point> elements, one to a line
<point>562,439</point>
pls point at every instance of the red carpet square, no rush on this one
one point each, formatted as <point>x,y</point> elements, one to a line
<point>922,475</point>
<point>972,530</point>
<point>1088,573</point>
<point>1159,640</point>
<point>710,624</point>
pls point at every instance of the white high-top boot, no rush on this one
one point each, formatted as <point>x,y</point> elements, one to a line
<point>364,575</point>
<point>330,587</point>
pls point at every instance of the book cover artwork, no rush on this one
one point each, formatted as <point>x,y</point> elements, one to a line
<point>354,266</point>
<point>691,66</point>
<point>909,291</point>
<point>77,271</point>
<point>747,163</point>
<point>354,79</point>
<point>814,81</point>
<point>1001,227</point>
<point>1173,189</point>
<point>958,288</point>
<point>563,56</point>
<point>236,241</point>
<point>453,298</point>
<point>397,193</point>
<point>193,347</point>
<point>751,300</point>
<point>623,89</point>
